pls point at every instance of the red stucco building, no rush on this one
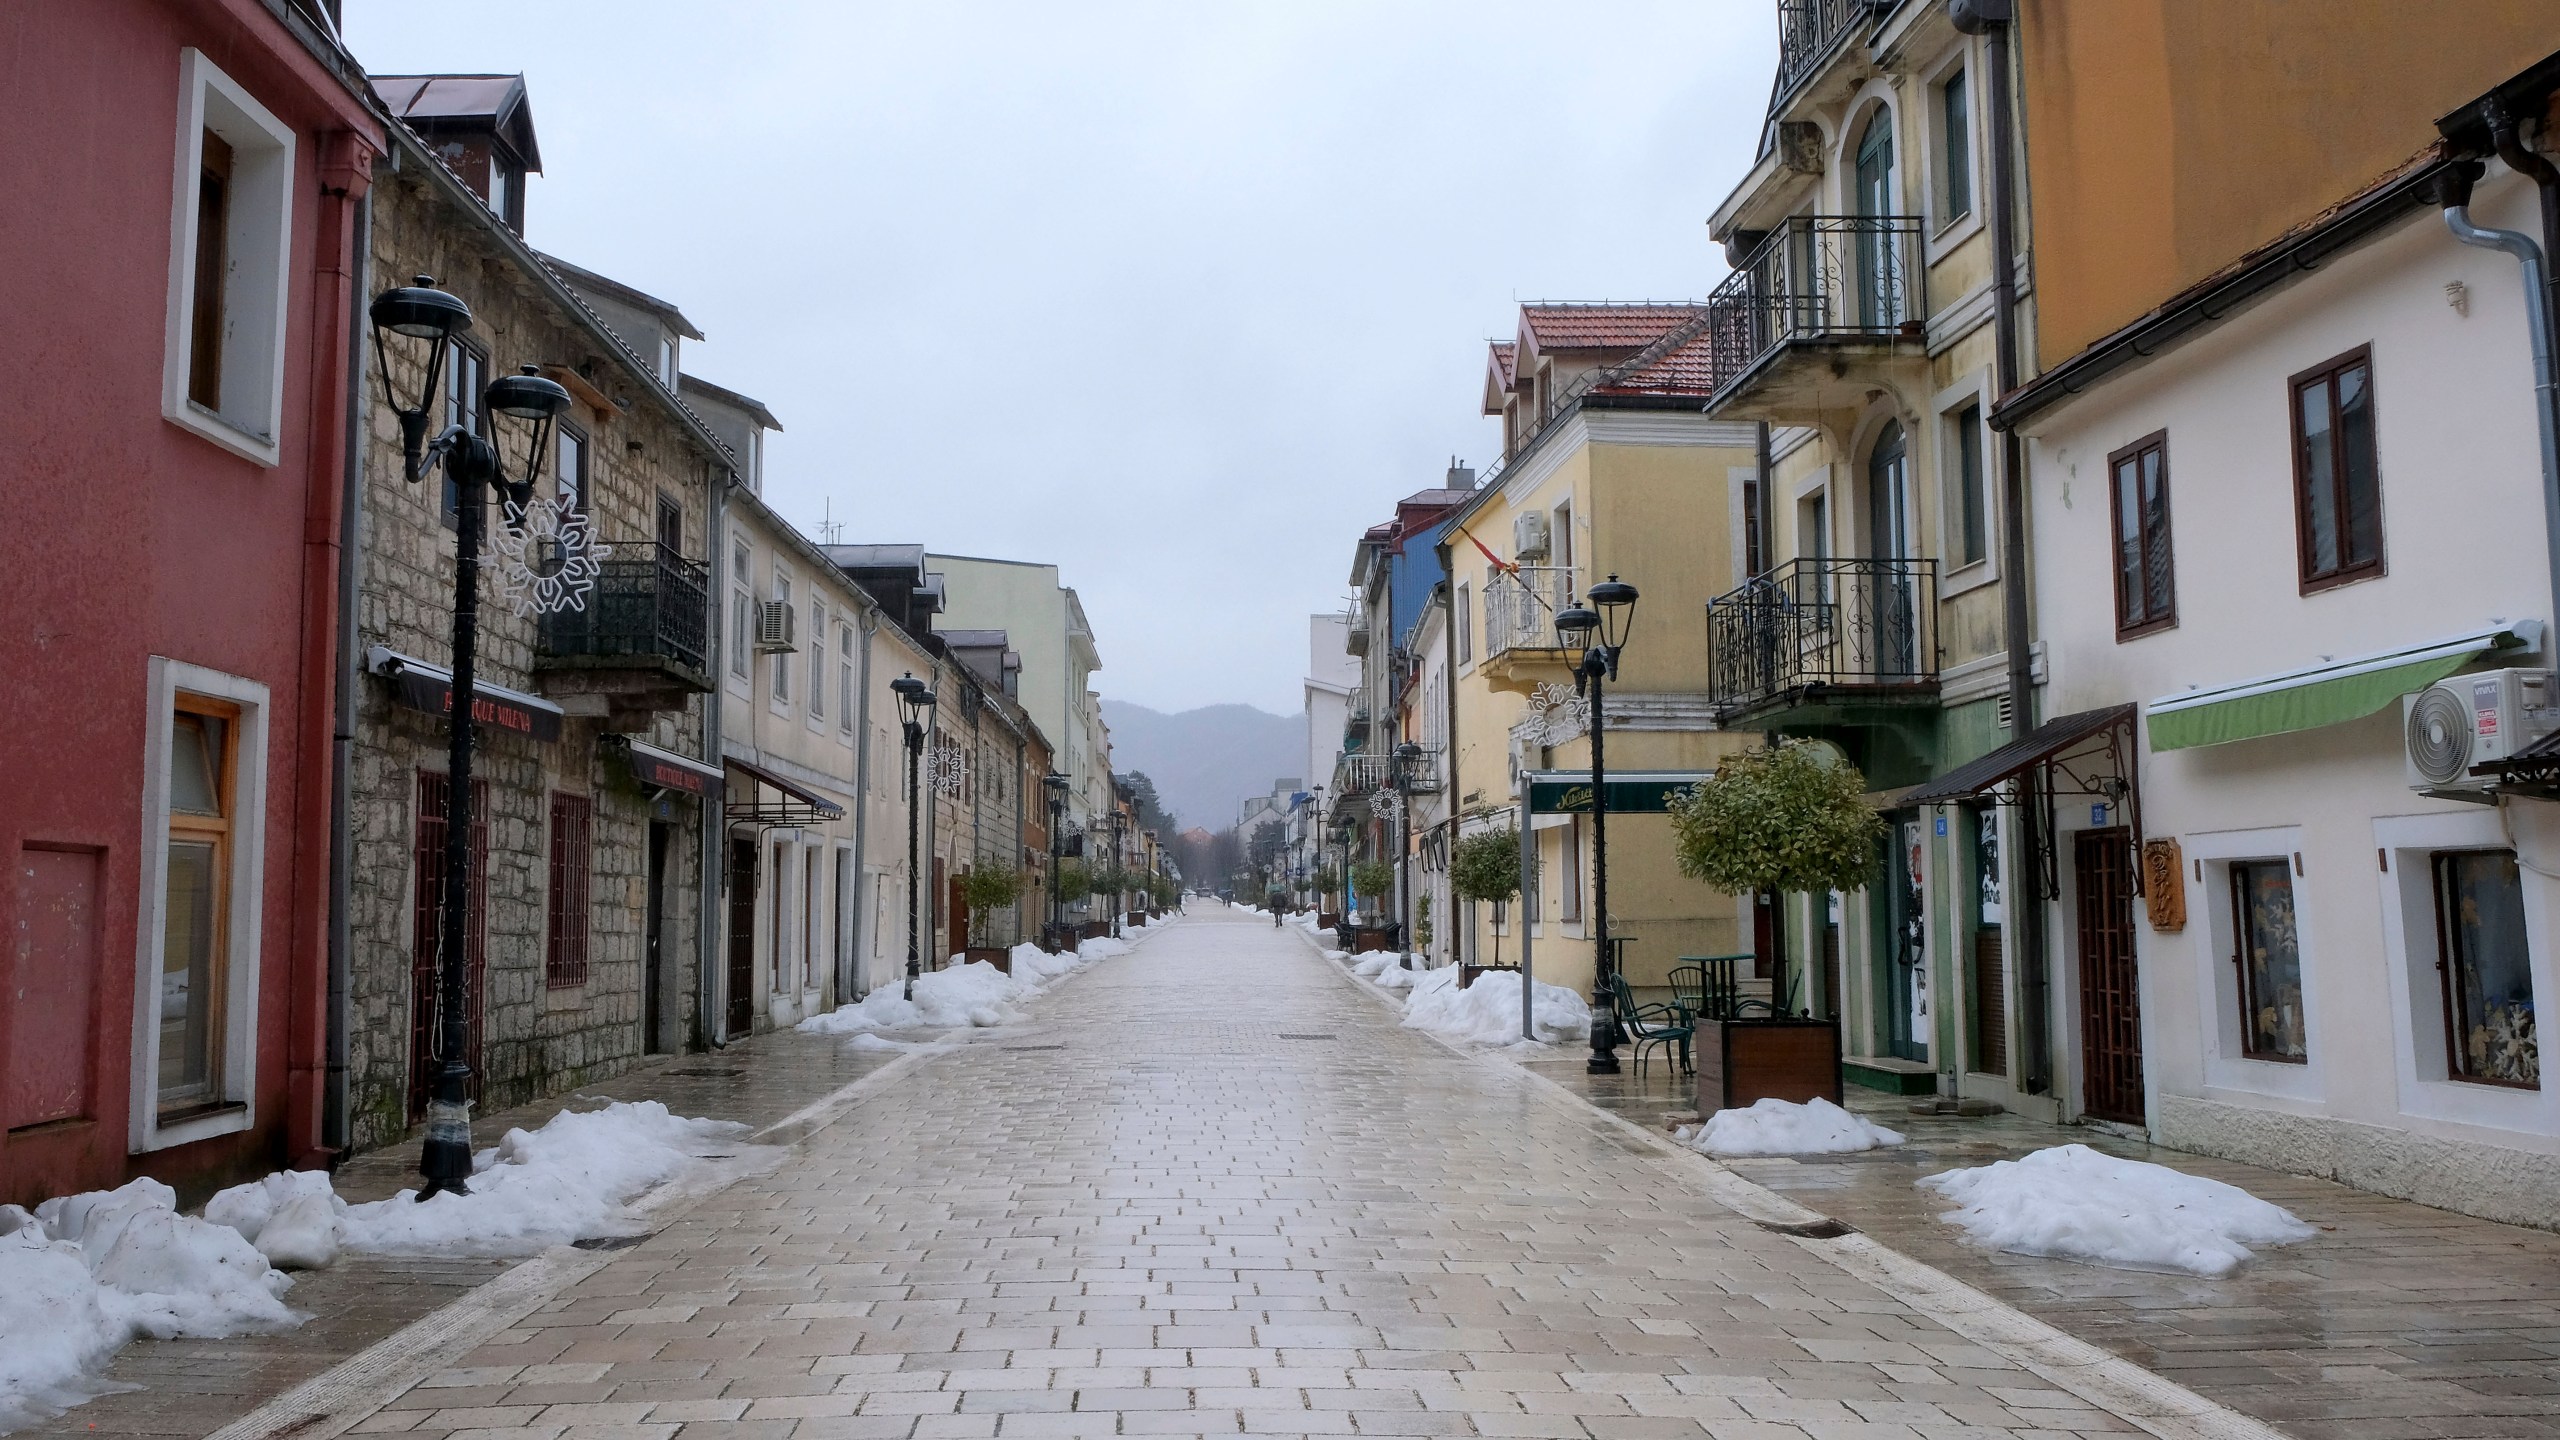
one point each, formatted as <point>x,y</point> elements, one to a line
<point>187,182</point>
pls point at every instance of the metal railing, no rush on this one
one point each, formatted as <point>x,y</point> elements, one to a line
<point>649,602</point>
<point>1520,608</point>
<point>1818,277</point>
<point>1808,31</point>
<point>1822,622</point>
<point>1356,634</point>
<point>1364,773</point>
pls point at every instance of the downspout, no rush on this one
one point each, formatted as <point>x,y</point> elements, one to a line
<point>2546,183</point>
<point>709,1024</point>
<point>870,624</point>
<point>1992,19</point>
<point>2455,193</point>
<point>334,1123</point>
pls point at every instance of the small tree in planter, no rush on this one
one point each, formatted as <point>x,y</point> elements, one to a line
<point>1422,922</point>
<point>1328,882</point>
<point>984,889</point>
<point>1485,867</point>
<point>1778,819</point>
<point>1075,879</point>
<point>1372,879</point>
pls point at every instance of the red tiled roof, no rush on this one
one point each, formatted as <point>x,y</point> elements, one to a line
<point>1681,369</point>
<point>1503,351</point>
<point>1598,327</point>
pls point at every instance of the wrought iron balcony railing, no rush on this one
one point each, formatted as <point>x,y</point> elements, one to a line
<point>649,603</point>
<point>1363,773</point>
<point>1818,277</point>
<point>1520,608</point>
<point>1822,624</point>
<point>1808,31</point>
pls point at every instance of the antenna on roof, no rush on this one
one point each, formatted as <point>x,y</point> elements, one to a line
<point>830,530</point>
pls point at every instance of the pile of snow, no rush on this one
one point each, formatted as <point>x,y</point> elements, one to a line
<point>1102,947</point>
<point>1337,954</point>
<point>974,993</point>
<point>1386,969</point>
<point>2074,1203</point>
<point>1488,1012</point>
<point>1036,966</point>
<point>1780,1127</point>
<point>87,1273</point>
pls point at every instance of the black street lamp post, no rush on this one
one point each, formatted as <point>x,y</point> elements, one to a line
<point>422,312</point>
<point>915,701</point>
<point>1603,634</point>
<point>1119,873</point>
<point>1056,785</point>
<point>1407,756</point>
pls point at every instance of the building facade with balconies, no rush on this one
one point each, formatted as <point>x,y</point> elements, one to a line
<point>593,802</point>
<point>1856,330</point>
<point>1608,468</point>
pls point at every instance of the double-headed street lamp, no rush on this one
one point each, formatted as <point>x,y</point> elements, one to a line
<point>422,312</point>
<point>1602,633</point>
<point>1056,785</point>
<point>1119,872</point>
<point>915,702</point>
<point>1407,756</point>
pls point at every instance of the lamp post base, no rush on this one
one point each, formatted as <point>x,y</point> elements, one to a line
<point>1604,1039</point>
<point>444,1161</point>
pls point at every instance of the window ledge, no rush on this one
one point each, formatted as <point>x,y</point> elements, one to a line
<point>1963,578</point>
<point>193,1125</point>
<point>258,449</point>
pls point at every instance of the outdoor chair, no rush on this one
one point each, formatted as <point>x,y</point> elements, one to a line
<point>1651,1026</point>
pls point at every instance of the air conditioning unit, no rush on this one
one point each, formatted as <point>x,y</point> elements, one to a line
<point>1529,535</point>
<point>2469,720</point>
<point>773,628</point>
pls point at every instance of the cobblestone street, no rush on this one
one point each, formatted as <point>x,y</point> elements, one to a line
<point>1211,1188</point>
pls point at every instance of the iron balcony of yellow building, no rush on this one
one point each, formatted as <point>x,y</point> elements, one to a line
<point>1522,646</point>
<point>1825,641</point>
<point>640,644</point>
<point>1814,306</point>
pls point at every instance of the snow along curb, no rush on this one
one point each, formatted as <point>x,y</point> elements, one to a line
<point>2157,1405</point>
<point>352,1391</point>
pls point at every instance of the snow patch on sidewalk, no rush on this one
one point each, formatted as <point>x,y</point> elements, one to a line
<point>1781,1127</point>
<point>969,993</point>
<point>2073,1203</point>
<point>1488,1012</point>
<point>1385,969</point>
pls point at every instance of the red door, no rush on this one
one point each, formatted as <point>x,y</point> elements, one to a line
<point>2110,986</point>
<point>52,985</point>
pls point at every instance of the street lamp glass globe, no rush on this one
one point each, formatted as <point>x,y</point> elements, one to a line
<point>1617,601</point>
<point>420,311</point>
<point>1577,622</point>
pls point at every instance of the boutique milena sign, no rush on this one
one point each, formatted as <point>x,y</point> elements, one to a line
<point>1631,792</point>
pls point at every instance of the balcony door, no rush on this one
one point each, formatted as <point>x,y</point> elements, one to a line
<point>1903,933</point>
<point>1891,602</point>
<point>1872,200</point>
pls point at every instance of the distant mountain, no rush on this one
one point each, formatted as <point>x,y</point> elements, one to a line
<point>1206,761</point>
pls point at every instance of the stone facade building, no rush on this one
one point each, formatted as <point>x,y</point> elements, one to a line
<point>589,786</point>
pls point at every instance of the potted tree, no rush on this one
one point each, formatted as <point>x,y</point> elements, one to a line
<point>1106,881</point>
<point>1328,885</point>
<point>1792,818</point>
<point>1373,882</point>
<point>1485,867</point>
<point>982,890</point>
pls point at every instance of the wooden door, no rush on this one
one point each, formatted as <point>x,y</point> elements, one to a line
<point>52,981</point>
<point>742,939</point>
<point>2110,986</point>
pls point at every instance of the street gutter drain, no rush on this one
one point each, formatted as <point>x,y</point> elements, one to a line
<point>1822,1229</point>
<point>1310,1037</point>
<point>1019,1049</point>
<point>609,1242</point>
<point>707,1073</point>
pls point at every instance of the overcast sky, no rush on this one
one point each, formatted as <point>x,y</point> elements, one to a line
<point>1179,296</point>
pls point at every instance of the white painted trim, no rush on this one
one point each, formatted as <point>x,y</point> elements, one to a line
<point>1959,318</point>
<point>1972,389</point>
<point>1667,427</point>
<point>167,678</point>
<point>2229,1073</point>
<point>263,185</point>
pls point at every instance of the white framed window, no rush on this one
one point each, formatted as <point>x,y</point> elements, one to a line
<point>844,682</point>
<point>1462,624</point>
<point>230,256</point>
<point>204,801</point>
<point>817,664</point>
<point>2257,956</point>
<point>667,361</point>
<point>1968,515</point>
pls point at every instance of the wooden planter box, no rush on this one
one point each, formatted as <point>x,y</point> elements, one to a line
<point>1135,917</point>
<point>995,955</point>
<point>1467,973</point>
<point>1096,930</point>
<point>1327,919</point>
<point>1741,1061</point>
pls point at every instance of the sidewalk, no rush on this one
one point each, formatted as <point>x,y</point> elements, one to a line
<point>193,1387</point>
<point>2396,1321</point>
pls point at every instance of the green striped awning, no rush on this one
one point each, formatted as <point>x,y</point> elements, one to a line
<point>2328,693</point>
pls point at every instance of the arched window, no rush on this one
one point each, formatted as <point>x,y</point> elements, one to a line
<point>1880,296</point>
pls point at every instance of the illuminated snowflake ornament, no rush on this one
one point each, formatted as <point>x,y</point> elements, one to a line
<point>946,769</point>
<point>1558,714</point>
<point>1386,804</point>
<point>549,558</point>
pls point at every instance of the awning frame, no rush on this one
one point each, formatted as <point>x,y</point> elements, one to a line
<point>2092,753</point>
<point>546,717</point>
<point>715,778</point>
<point>799,805</point>
<point>2518,637</point>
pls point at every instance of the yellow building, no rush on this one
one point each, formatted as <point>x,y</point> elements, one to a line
<point>1608,468</point>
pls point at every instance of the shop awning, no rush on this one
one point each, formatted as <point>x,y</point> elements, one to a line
<point>422,686</point>
<point>799,805</point>
<point>1631,792</point>
<point>668,770</point>
<point>2007,763</point>
<point>2329,693</point>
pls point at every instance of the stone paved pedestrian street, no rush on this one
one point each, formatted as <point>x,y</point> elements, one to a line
<point>1211,1188</point>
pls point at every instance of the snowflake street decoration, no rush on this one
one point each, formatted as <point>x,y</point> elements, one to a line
<point>1558,714</point>
<point>1386,804</point>
<point>549,558</point>
<point>946,769</point>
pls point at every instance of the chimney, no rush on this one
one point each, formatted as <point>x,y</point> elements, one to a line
<point>1461,477</point>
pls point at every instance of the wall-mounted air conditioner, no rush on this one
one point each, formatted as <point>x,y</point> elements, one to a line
<point>773,628</point>
<point>1529,535</point>
<point>2469,720</point>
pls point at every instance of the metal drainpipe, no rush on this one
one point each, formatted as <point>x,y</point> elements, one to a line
<point>710,1025</point>
<point>1992,20</point>
<point>334,1121</point>
<point>2455,193</point>
<point>870,625</point>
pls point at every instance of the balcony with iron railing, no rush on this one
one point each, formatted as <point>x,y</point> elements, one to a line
<point>1355,638</point>
<point>642,639</point>
<point>1817,290</point>
<point>1809,32</point>
<point>1361,774</point>
<point>1825,634</point>
<point>1521,643</point>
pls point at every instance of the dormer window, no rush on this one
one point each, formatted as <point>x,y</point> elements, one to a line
<point>667,360</point>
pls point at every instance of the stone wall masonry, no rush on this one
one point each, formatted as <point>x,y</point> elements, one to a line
<point>537,1040</point>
